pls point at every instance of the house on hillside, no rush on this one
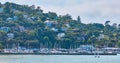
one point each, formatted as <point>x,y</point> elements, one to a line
<point>34,18</point>
<point>55,24</point>
<point>25,16</point>
<point>101,36</point>
<point>54,29</point>
<point>22,28</point>
<point>15,11</point>
<point>65,27</point>
<point>10,35</point>
<point>48,23</point>
<point>9,19</point>
<point>15,18</point>
<point>5,29</point>
<point>15,28</point>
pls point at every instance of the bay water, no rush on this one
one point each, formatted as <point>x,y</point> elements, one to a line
<point>59,59</point>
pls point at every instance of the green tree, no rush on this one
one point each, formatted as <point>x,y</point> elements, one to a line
<point>79,19</point>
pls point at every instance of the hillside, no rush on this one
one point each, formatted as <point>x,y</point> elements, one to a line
<point>27,26</point>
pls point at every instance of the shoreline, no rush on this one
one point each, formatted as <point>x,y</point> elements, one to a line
<point>57,54</point>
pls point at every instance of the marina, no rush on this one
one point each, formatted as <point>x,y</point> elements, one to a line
<point>60,51</point>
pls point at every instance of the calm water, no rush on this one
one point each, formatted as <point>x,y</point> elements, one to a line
<point>58,59</point>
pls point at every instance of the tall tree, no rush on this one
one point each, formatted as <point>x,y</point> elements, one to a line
<point>79,19</point>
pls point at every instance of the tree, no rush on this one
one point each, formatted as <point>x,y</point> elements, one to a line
<point>107,23</point>
<point>1,46</point>
<point>46,42</point>
<point>79,19</point>
<point>51,15</point>
<point>118,26</point>
<point>118,44</point>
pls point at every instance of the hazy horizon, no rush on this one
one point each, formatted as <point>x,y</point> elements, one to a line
<point>91,11</point>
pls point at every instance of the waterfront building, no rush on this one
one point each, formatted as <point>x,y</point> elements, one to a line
<point>87,47</point>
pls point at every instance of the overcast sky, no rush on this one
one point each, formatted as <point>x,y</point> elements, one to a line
<point>91,11</point>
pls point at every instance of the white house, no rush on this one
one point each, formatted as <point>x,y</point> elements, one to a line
<point>10,35</point>
<point>54,29</point>
<point>9,19</point>
<point>67,25</point>
<point>34,18</point>
<point>48,23</point>
<point>60,35</point>
<point>87,47</point>
<point>101,36</point>
<point>22,28</point>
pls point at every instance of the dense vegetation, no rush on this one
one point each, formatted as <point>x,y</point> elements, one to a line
<point>27,26</point>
